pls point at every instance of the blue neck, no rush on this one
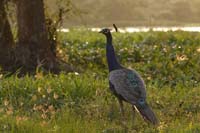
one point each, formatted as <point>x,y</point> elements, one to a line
<point>110,54</point>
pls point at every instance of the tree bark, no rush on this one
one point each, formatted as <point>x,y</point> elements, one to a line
<point>6,39</point>
<point>33,48</point>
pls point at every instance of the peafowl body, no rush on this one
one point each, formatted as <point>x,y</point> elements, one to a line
<point>126,84</point>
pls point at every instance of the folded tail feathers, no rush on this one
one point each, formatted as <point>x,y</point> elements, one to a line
<point>148,114</point>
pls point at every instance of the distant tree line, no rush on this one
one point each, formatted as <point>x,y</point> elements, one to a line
<point>138,12</point>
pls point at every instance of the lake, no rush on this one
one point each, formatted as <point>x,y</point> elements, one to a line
<point>145,29</point>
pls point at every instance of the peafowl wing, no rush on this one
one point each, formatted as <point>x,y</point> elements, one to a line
<point>130,86</point>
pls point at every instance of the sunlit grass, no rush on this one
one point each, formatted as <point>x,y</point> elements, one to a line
<point>84,104</point>
<point>81,102</point>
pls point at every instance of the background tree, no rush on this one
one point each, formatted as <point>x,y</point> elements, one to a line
<point>6,39</point>
<point>35,44</point>
<point>33,47</point>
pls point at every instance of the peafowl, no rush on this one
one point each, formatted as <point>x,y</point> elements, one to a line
<point>126,84</point>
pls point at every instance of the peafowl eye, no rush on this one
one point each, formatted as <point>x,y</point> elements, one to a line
<point>105,31</point>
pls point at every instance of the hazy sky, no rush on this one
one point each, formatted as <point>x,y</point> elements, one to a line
<point>134,12</point>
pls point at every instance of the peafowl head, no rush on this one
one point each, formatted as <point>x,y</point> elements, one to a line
<point>105,31</point>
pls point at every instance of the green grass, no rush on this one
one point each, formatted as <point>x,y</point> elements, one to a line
<point>82,103</point>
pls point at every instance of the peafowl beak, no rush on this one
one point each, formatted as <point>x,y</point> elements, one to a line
<point>101,31</point>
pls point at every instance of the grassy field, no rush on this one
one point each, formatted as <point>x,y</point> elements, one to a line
<point>81,102</point>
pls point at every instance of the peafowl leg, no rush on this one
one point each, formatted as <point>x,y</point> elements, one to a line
<point>121,107</point>
<point>133,108</point>
<point>123,120</point>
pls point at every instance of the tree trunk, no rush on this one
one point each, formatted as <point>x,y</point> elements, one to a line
<point>6,39</point>
<point>33,48</point>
